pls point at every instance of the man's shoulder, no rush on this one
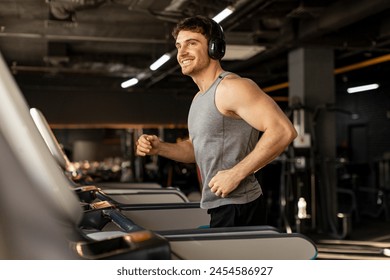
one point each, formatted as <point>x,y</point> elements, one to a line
<point>233,81</point>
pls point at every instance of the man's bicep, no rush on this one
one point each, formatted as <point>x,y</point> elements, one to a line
<point>259,111</point>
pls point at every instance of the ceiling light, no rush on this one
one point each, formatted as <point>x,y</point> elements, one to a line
<point>362,88</point>
<point>159,62</point>
<point>242,52</point>
<point>130,83</point>
<point>223,14</point>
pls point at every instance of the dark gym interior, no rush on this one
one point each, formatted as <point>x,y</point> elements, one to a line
<point>69,59</point>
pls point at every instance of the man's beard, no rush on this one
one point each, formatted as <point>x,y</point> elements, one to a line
<point>197,68</point>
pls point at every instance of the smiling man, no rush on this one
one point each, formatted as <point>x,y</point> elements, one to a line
<point>224,122</point>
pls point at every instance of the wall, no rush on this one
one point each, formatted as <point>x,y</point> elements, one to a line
<point>373,115</point>
<point>101,107</point>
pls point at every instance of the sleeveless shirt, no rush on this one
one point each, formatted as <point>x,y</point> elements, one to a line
<point>220,142</point>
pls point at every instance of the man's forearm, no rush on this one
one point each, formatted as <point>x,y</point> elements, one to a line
<point>266,150</point>
<point>181,151</point>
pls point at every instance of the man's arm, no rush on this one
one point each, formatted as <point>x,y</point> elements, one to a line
<point>151,145</point>
<point>242,98</point>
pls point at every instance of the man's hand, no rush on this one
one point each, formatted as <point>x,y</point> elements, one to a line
<point>224,182</point>
<point>147,145</point>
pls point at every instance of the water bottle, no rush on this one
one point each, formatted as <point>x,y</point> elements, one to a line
<point>302,208</point>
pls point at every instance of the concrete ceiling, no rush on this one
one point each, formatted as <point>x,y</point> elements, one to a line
<point>67,45</point>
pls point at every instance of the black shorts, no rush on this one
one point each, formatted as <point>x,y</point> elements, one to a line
<point>235,215</point>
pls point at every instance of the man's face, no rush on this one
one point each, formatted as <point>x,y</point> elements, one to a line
<point>192,52</point>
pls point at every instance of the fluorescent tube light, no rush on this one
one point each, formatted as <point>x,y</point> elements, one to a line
<point>223,14</point>
<point>130,83</point>
<point>362,88</point>
<point>242,52</point>
<point>159,62</point>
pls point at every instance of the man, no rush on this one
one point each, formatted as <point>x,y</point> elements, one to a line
<point>224,121</point>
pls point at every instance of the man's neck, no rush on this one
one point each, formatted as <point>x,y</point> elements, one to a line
<point>205,78</point>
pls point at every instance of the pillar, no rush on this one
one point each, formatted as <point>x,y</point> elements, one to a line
<point>311,81</point>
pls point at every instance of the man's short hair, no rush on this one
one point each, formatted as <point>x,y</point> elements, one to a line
<point>199,24</point>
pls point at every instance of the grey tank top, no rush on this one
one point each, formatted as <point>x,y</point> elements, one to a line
<point>220,142</point>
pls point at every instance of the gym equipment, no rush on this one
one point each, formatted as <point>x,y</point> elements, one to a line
<point>353,250</point>
<point>127,193</point>
<point>36,227</point>
<point>256,243</point>
<point>166,208</point>
<point>40,214</point>
<point>131,198</point>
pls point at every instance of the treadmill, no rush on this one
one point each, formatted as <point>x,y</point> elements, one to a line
<point>24,143</point>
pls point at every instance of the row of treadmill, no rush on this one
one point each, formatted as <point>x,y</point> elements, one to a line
<point>45,213</point>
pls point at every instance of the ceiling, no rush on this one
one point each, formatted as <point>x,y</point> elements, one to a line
<point>94,44</point>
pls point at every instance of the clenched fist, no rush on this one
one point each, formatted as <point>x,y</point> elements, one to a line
<point>147,145</point>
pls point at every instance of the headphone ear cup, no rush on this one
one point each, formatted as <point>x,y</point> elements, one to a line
<point>217,48</point>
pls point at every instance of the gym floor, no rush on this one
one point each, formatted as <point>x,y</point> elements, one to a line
<point>368,240</point>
